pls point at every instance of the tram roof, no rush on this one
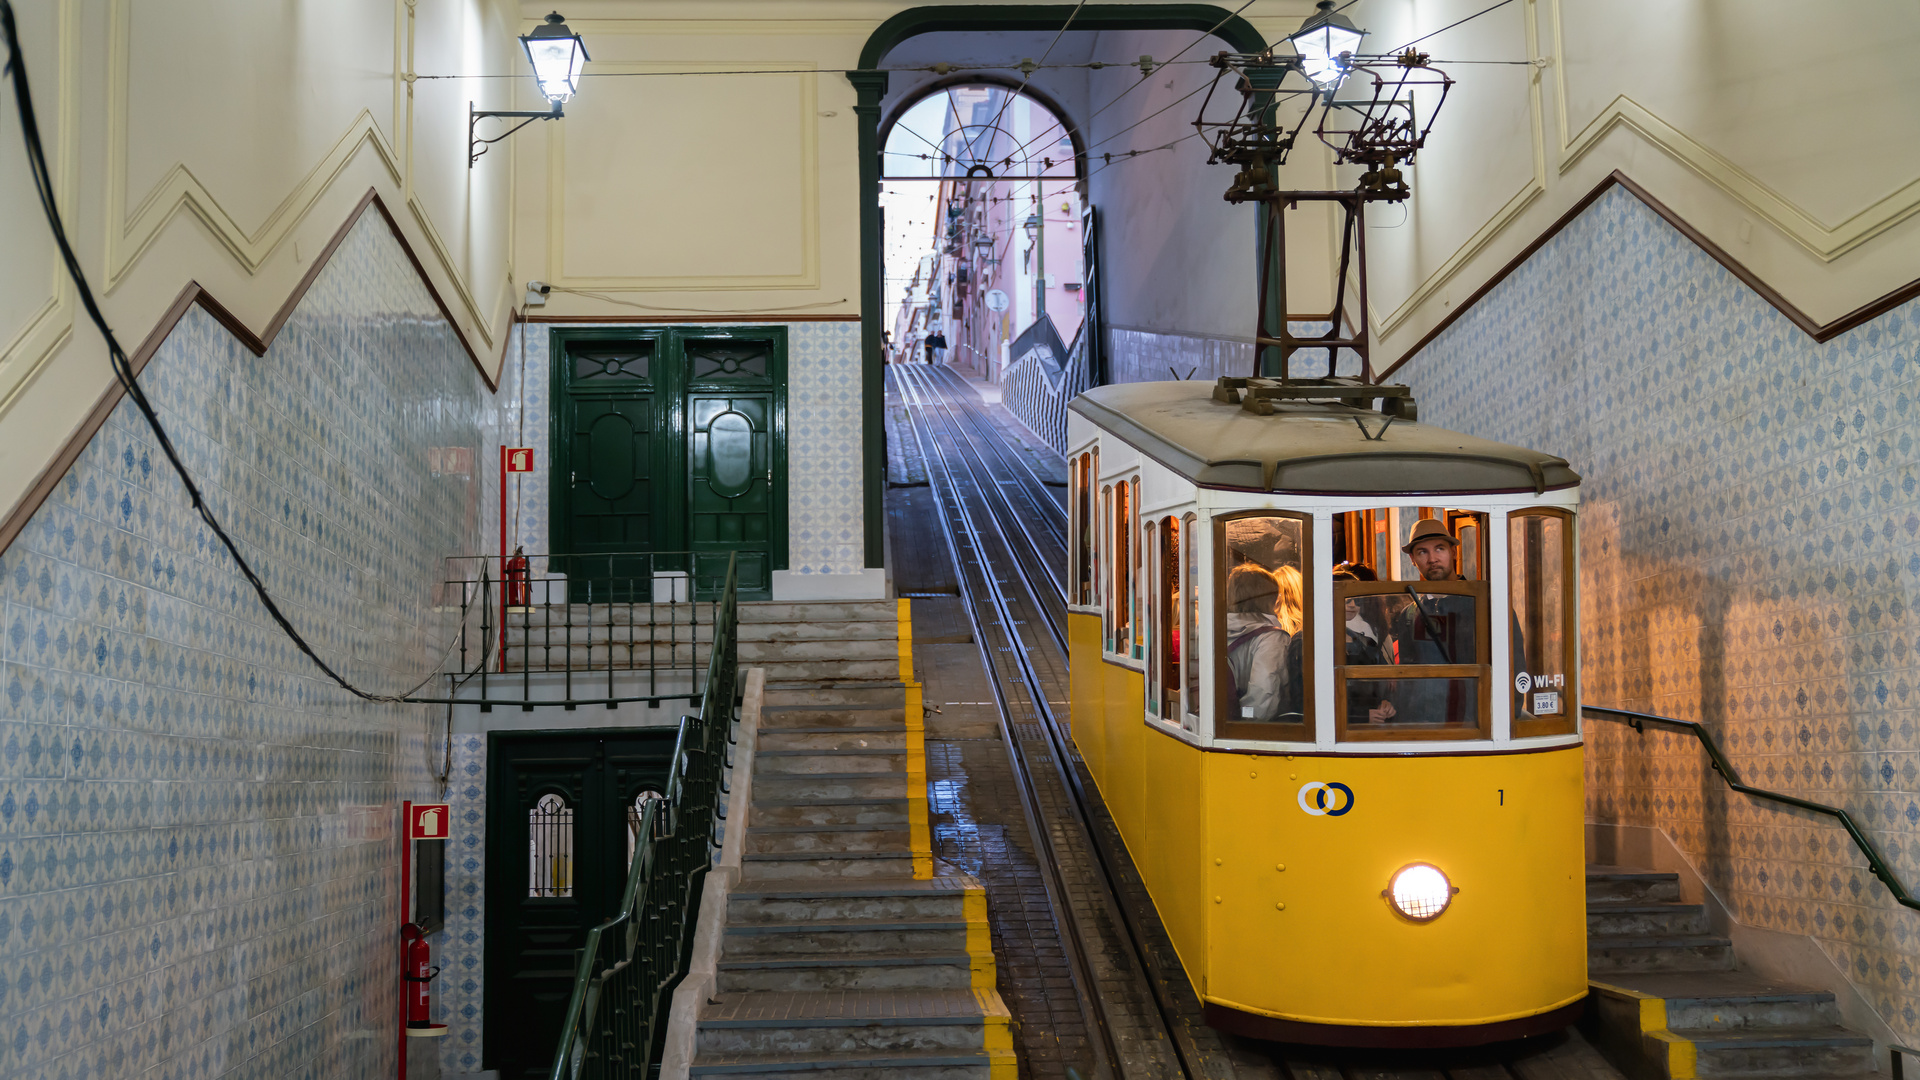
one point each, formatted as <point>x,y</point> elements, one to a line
<point>1310,447</point>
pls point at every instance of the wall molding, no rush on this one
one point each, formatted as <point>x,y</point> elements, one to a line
<point>1818,331</point>
<point>1826,242</point>
<point>808,168</point>
<point>195,295</point>
<point>49,327</point>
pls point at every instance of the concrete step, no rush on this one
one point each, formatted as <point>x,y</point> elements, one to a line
<point>883,629</point>
<point>826,839</point>
<point>892,738</point>
<point>849,901</point>
<point>1684,952</point>
<point>777,787</point>
<point>788,1025</point>
<point>764,611</point>
<point>849,938</point>
<point>1657,920</point>
<point>825,695</point>
<point>767,763</point>
<point>898,1065</point>
<point>827,812</point>
<point>816,866</point>
<point>837,647</point>
<point>1628,885</point>
<point>937,970</point>
<point>829,670</point>
<point>1823,1051</point>
<point>810,717</point>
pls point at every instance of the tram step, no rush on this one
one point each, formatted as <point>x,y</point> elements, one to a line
<point>849,901</point>
<point>826,839</point>
<point>899,1065</point>
<point>1657,920</point>
<point>1624,884</point>
<point>817,611</point>
<point>828,762</point>
<point>946,970</point>
<point>811,812</point>
<point>811,866</point>
<point>1607,954</point>
<point>736,1025</point>
<point>796,787</point>
<point>892,738</point>
<point>848,938</point>
<point>808,717</point>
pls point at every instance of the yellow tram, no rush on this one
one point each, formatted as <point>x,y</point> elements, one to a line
<point>1324,672</point>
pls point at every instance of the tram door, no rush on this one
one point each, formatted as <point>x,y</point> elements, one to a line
<point>668,440</point>
<point>562,809</point>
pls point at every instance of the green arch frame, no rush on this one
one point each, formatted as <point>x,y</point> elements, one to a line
<point>870,85</point>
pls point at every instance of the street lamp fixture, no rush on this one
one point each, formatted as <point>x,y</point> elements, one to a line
<point>1032,225</point>
<point>1326,42</point>
<point>558,57</point>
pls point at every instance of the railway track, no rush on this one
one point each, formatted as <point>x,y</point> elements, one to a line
<point>1005,530</point>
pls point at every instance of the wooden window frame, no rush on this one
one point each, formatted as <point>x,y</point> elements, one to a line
<point>1163,668</point>
<point>1137,648</point>
<point>1109,617</point>
<point>1481,669</point>
<point>1154,695</point>
<point>1189,621</point>
<point>1569,723</point>
<point>1081,531</point>
<point>1226,721</point>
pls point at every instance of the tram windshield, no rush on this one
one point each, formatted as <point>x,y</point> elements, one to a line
<point>1263,600</point>
<point>1410,595</point>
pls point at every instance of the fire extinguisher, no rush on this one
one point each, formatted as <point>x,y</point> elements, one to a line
<point>516,579</point>
<point>416,956</point>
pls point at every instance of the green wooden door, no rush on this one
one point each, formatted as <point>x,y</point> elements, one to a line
<point>730,483</point>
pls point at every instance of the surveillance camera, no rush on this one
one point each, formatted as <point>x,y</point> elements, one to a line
<point>537,293</point>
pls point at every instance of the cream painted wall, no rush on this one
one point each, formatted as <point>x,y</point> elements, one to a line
<point>1784,132</point>
<point>225,143</point>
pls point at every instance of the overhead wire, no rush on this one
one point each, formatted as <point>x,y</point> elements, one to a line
<point>1026,76</point>
<point>122,365</point>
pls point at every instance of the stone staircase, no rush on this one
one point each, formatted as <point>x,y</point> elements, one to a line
<point>1670,1004</point>
<point>848,953</point>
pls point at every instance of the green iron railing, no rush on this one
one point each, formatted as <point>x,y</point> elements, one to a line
<point>616,1020</point>
<point>1638,721</point>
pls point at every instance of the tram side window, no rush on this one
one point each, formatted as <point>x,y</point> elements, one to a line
<point>1190,614</point>
<point>1260,631</point>
<point>1162,543</point>
<point>1540,581</point>
<point>1411,598</point>
<point>1138,617</point>
<point>1083,530</point>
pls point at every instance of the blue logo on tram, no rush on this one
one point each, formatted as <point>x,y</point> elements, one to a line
<point>1325,800</point>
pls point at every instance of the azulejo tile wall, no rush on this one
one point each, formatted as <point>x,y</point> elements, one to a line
<point>1751,548</point>
<point>197,844</point>
<point>823,443</point>
<point>1151,356</point>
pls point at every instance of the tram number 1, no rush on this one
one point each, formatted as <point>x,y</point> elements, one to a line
<point>1503,795</point>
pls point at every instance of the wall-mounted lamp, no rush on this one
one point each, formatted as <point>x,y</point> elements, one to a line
<point>558,57</point>
<point>1032,225</point>
<point>1322,40</point>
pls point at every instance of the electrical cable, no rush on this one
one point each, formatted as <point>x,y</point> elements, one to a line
<point>16,69</point>
<point>1026,76</point>
<point>1451,25</point>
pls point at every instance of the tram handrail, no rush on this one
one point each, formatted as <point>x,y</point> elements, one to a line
<point>1875,862</point>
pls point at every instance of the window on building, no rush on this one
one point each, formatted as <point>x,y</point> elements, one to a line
<point>1260,627</point>
<point>1540,582</point>
<point>1410,596</point>
<point>637,817</point>
<point>550,847</point>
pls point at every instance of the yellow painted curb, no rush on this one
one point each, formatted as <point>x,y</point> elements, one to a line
<point>1681,1054</point>
<point>919,835</point>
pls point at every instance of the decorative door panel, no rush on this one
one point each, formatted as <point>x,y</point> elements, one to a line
<point>730,482</point>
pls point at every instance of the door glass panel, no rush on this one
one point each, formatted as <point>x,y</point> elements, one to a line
<point>624,362</point>
<point>708,361</point>
<point>550,847</point>
<point>730,453</point>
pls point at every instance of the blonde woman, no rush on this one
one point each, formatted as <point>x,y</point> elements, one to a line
<point>1263,615</point>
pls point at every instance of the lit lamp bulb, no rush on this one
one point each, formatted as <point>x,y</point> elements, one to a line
<point>1420,892</point>
<point>1321,40</point>
<point>557,55</point>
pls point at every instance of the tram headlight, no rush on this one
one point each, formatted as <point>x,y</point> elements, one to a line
<point>1420,891</point>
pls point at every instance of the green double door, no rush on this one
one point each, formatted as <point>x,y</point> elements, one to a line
<point>668,440</point>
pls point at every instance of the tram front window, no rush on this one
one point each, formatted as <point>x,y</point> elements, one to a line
<point>1262,658</point>
<point>1412,602</point>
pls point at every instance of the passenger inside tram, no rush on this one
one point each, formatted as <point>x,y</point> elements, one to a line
<point>1369,701</point>
<point>1264,597</point>
<point>1435,629</point>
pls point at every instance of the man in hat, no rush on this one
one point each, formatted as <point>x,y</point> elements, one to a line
<point>1437,628</point>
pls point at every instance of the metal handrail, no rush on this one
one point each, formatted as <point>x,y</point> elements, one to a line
<point>1875,862</point>
<point>615,1025</point>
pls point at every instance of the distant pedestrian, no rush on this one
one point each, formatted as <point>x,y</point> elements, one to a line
<point>935,340</point>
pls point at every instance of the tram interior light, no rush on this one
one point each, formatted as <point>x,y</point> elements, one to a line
<point>1322,40</point>
<point>1420,891</point>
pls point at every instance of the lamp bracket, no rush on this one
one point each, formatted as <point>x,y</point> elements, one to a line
<point>477,146</point>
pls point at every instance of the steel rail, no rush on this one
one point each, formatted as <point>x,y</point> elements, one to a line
<point>1107,1053</point>
<point>997,502</point>
<point>1039,482</point>
<point>1058,741</point>
<point>1875,861</point>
